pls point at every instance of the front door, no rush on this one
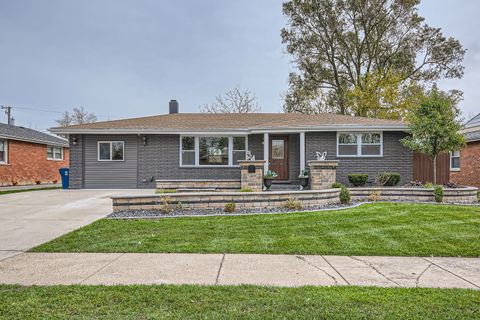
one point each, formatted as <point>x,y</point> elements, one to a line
<point>279,156</point>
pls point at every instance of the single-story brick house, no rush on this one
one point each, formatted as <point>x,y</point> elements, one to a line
<point>134,153</point>
<point>465,164</point>
<point>27,156</point>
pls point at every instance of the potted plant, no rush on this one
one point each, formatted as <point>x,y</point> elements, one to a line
<point>268,178</point>
<point>303,178</point>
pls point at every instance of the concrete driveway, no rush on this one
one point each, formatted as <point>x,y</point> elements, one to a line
<point>31,218</point>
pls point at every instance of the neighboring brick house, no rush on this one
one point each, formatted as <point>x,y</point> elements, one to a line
<point>27,156</point>
<point>465,164</point>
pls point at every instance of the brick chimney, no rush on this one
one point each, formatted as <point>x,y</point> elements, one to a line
<point>173,106</point>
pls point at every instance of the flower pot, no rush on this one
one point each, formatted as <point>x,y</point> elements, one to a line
<point>303,182</point>
<point>267,182</point>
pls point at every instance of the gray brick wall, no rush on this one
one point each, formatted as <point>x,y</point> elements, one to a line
<point>255,145</point>
<point>76,162</point>
<point>396,158</point>
<point>160,159</point>
<point>294,157</point>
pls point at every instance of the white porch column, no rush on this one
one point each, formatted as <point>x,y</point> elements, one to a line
<point>266,148</point>
<point>302,151</point>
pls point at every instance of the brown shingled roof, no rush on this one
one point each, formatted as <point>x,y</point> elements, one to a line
<point>232,121</point>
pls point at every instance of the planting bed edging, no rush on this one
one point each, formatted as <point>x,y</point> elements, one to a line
<point>451,195</point>
<point>217,200</point>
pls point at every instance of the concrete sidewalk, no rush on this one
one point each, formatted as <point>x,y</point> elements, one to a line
<point>235,269</point>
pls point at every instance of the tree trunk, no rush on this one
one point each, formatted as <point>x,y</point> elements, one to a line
<point>435,170</point>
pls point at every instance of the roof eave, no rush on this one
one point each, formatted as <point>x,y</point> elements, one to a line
<point>37,141</point>
<point>230,130</point>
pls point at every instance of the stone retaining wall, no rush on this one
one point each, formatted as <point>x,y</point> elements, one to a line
<point>218,184</point>
<point>218,200</point>
<point>457,195</point>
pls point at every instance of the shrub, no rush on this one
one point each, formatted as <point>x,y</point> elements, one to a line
<point>305,173</point>
<point>293,204</point>
<point>428,185</point>
<point>344,195</point>
<point>179,206</point>
<point>54,181</point>
<point>374,196</point>
<point>229,207</point>
<point>165,204</point>
<point>246,189</point>
<point>270,175</point>
<point>438,193</point>
<point>358,179</point>
<point>337,185</point>
<point>387,179</point>
<point>14,182</point>
<point>38,181</point>
<point>166,191</point>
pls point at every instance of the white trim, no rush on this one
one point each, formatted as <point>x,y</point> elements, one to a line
<point>6,152</point>
<point>302,151</point>
<point>110,160</point>
<point>459,159</point>
<point>53,152</point>
<point>197,151</point>
<point>266,151</point>
<point>359,145</point>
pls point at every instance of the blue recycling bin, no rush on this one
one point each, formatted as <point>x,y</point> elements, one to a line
<point>64,172</point>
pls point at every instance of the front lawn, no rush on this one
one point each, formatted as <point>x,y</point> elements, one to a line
<point>2,192</point>
<point>374,229</point>
<point>229,302</point>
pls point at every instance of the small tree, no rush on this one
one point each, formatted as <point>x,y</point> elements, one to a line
<point>78,116</point>
<point>434,127</point>
<point>233,101</point>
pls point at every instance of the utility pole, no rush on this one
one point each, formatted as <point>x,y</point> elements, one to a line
<point>8,112</point>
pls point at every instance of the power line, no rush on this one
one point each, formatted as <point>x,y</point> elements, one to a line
<point>54,111</point>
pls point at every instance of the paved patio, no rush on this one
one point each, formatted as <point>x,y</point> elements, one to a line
<point>235,269</point>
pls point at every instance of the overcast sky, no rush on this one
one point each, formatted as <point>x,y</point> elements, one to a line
<point>129,58</point>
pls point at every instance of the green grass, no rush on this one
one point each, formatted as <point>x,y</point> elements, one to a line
<point>27,190</point>
<point>374,229</point>
<point>228,302</point>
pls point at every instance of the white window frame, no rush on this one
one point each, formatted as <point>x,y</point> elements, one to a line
<point>110,142</point>
<point>53,150</point>
<point>6,152</point>
<point>197,151</point>
<point>359,144</point>
<point>452,156</point>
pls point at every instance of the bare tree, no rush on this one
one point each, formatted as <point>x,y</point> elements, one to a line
<point>77,116</point>
<point>233,101</point>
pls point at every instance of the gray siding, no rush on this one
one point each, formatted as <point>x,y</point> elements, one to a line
<point>76,162</point>
<point>110,174</point>
<point>396,158</point>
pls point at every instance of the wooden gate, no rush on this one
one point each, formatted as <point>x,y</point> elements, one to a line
<point>423,168</point>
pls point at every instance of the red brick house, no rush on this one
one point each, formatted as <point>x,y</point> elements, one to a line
<point>27,156</point>
<point>465,164</point>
